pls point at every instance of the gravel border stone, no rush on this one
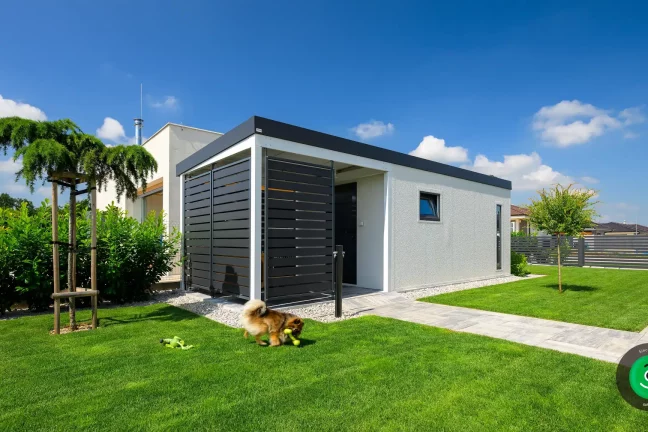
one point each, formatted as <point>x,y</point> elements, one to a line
<point>443,289</point>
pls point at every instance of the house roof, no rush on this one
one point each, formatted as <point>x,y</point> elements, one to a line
<point>169,124</point>
<point>519,211</point>
<point>275,129</point>
<point>620,227</point>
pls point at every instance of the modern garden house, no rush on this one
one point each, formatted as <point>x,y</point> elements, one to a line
<point>264,205</point>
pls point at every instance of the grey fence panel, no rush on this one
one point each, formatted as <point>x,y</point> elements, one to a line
<point>298,227</point>
<point>594,251</point>
<point>217,230</point>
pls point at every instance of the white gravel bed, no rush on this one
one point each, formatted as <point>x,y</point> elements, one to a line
<point>432,291</point>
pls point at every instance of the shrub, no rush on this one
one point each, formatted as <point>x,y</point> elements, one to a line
<point>518,264</point>
<point>132,256</point>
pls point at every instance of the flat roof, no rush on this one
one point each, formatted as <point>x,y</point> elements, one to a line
<point>275,129</point>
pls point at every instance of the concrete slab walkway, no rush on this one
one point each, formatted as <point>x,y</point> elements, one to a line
<point>598,343</point>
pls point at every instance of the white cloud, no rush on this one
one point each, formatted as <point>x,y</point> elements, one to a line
<point>589,180</point>
<point>435,149</point>
<point>10,166</point>
<point>11,108</point>
<point>373,129</point>
<point>525,171</point>
<point>573,122</point>
<point>111,130</point>
<point>169,103</point>
<point>632,116</point>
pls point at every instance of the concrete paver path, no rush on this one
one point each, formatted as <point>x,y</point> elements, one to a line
<point>598,343</point>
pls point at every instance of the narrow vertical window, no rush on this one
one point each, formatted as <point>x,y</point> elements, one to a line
<point>499,236</point>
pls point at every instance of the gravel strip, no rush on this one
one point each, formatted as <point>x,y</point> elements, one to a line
<point>432,291</point>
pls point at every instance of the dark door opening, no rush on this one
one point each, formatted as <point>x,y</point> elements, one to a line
<point>346,228</point>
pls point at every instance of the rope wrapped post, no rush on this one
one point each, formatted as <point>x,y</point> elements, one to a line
<point>93,251</point>
<point>55,259</point>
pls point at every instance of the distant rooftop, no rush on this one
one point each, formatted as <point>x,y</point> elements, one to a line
<point>620,227</point>
<point>519,211</point>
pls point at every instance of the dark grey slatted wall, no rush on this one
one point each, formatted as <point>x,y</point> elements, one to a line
<point>299,246</point>
<point>197,231</point>
<point>231,230</point>
<point>217,229</point>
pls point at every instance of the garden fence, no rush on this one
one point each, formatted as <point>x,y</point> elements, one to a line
<point>594,251</point>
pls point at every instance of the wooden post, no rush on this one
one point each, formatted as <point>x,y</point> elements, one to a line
<point>71,277</point>
<point>93,250</point>
<point>55,258</point>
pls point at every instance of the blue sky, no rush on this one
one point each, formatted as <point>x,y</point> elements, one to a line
<point>537,92</point>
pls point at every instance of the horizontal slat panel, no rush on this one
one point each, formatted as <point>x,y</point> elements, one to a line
<point>232,252</point>
<point>197,204</point>
<point>232,169</point>
<point>298,280</point>
<point>241,214</point>
<point>303,270</point>
<point>238,290</point>
<point>284,223</point>
<point>193,182</point>
<point>300,178</point>
<point>290,214</point>
<point>197,227</point>
<point>233,243</point>
<point>229,260</point>
<point>200,282</point>
<point>228,269</point>
<point>302,252</point>
<point>281,243</point>
<point>298,205</point>
<point>317,287</point>
<point>197,197</point>
<point>320,260</point>
<point>298,187</point>
<point>201,265</point>
<point>221,182</point>
<point>199,250</point>
<point>274,194</point>
<point>198,242</point>
<point>233,280</point>
<point>198,212</point>
<point>236,187</point>
<point>235,224</point>
<point>302,169</point>
<point>237,196</point>
<point>239,205</point>
<point>195,257</point>
<point>239,233</point>
<point>190,221</point>
<point>289,233</point>
<point>198,235</point>
<point>200,273</point>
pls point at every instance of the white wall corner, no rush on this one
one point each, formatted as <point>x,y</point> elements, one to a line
<point>256,176</point>
<point>387,233</point>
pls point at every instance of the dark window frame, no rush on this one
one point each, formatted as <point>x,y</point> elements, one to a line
<point>427,196</point>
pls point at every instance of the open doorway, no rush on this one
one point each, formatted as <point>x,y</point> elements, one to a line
<point>346,231</point>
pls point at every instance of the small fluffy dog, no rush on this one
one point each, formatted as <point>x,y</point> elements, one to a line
<point>258,319</point>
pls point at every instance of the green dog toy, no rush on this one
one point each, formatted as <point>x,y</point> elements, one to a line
<point>176,342</point>
<point>296,341</point>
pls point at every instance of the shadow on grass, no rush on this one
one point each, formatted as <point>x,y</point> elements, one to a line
<point>570,287</point>
<point>303,343</point>
<point>167,313</point>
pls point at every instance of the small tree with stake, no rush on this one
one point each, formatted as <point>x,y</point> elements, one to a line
<point>58,151</point>
<point>562,211</point>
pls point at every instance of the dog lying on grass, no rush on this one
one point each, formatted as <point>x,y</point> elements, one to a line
<point>259,320</point>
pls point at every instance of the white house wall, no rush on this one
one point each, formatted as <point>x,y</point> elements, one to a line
<point>371,224</point>
<point>462,246</point>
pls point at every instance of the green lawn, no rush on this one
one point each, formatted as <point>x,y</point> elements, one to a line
<point>608,298</point>
<point>368,373</point>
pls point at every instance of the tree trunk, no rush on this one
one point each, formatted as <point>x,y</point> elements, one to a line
<point>559,268</point>
<point>72,255</point>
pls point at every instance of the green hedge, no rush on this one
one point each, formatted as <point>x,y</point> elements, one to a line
<point>518,264</point>
<point>132,256</point>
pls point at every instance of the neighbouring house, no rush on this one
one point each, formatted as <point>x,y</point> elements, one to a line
<point>616,229</point>
<point>264,205</point>
<point>169,145</point>
<point>520,220</point>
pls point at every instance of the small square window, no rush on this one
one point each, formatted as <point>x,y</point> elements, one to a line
<point>430,207</point>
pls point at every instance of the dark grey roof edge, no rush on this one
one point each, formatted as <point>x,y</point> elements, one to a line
<point>234,136</point>
<point>276,129</point>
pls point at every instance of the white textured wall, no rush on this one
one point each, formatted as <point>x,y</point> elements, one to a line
<point>461,246</point>
<point>371,215</point>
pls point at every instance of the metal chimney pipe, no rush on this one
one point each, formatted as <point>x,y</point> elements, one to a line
<point>138,131</point>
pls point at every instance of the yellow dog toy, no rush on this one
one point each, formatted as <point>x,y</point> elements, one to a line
<point>295,341</point>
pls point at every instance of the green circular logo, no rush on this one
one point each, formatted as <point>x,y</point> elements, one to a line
<point>632,377</point>
<point>639,377</point>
